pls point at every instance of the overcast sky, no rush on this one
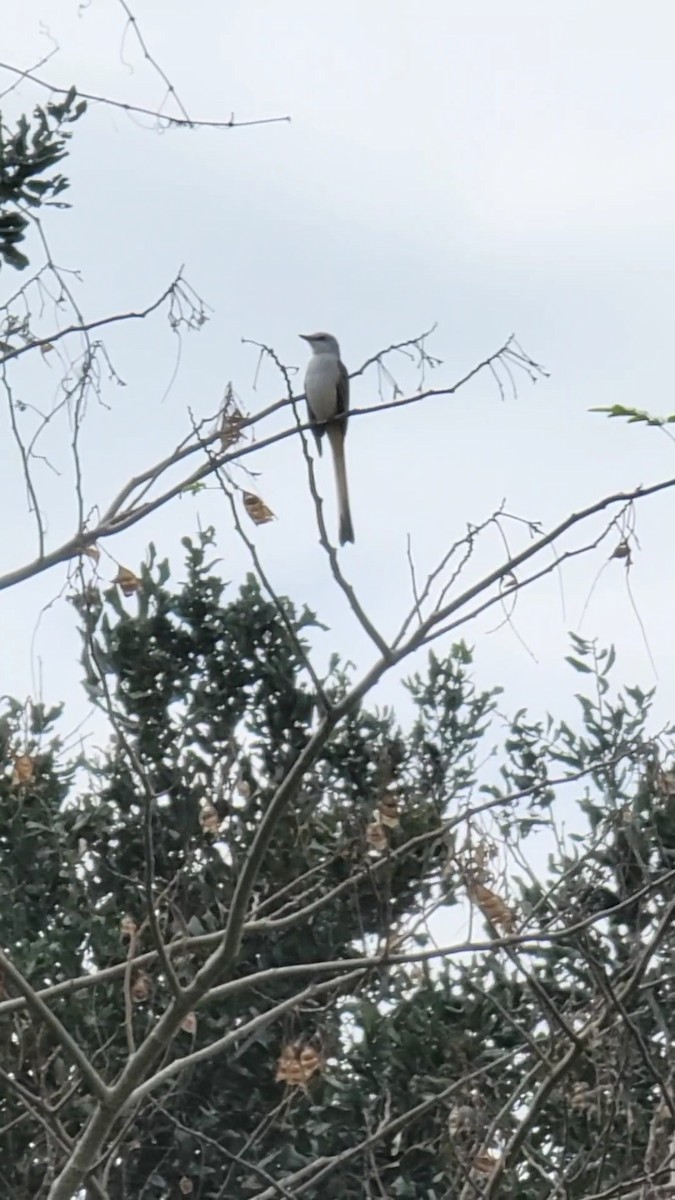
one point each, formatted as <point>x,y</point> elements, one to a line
<point>491,167</point>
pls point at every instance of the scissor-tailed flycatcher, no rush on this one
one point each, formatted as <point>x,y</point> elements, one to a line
<point>327,395</point>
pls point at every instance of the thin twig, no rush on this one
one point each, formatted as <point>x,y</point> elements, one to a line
<point>171,122</point>
<point>45,1015</point>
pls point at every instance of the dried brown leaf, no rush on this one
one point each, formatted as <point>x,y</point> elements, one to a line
<point>580,1097</point>
<point>189,1023</point>
<point>127,582</point>
<point>230,427</point>
<point>128,927</point>
<point>485,1163</point>
<point>24,770</point>
<point>388,812</point>
<point>296,1064</point>
<point>376,837</point>
<point>493,907</point>
<point>209,819</point>
<point>257,510</point>
<point>288,1067</point>
<point>141,987</point>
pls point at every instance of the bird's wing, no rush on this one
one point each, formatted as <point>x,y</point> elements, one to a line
<point>317,430</point>
<point>342,407</point>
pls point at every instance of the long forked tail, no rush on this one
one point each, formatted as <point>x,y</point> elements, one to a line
<point>336,437</point>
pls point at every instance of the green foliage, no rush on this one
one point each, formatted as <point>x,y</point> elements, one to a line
<point>634,416</point>
<point>27,155</point>
<point>213,694</point>
<point>209,691</point>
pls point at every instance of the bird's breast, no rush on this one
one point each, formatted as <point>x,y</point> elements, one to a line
<point>321,386</point>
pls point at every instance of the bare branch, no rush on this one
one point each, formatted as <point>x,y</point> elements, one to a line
<point>162,119</point>
<point>245,1030</point>
<point>44,1014</point>
<point>89,326</point>
<point>256,925</point>
<point>117,517</point>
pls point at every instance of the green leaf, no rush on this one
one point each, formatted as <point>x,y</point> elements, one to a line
<point>632,415</point>
<point>579,665</point>
<point>14,257</point>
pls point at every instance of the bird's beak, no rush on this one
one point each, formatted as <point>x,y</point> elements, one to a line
<point>305,337</point>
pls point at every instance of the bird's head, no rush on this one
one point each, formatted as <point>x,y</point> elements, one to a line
<point>322,343</point>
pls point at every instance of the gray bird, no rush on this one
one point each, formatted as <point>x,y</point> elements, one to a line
<point>327,395</point>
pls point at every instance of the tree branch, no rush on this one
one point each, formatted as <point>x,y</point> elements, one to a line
<point>42,1013</point>
<point>170,122</point>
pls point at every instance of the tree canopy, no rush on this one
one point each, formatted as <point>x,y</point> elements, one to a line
<point>408,1075</point>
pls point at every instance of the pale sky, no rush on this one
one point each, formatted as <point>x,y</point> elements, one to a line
<point>492,167</point>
